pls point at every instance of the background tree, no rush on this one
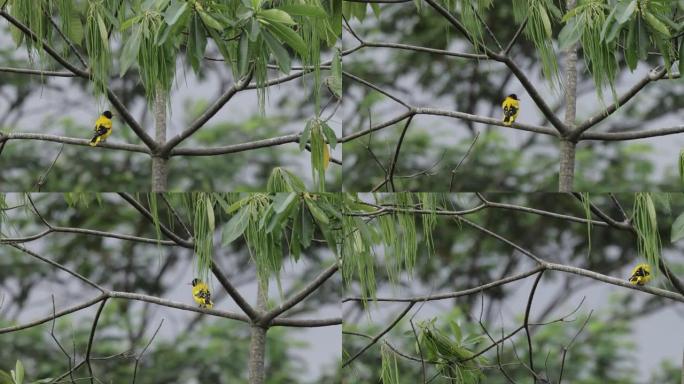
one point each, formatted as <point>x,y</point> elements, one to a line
<point>508,288</point>
<point>412,65</point>
<point>148,43</point>
<point>130,258</point>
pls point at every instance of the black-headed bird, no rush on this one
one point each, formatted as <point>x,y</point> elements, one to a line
<point>511,108</point>
<point>201,294</point>
<point>103,128</point>
<point>641,274</point>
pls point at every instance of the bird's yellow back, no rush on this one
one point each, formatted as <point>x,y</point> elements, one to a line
<point>641,274</point>
<point>201,295</point>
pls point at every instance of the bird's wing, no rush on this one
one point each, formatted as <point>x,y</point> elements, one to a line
<point>101,130</point>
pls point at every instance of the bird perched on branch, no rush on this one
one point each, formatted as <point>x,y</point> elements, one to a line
<point>103,128</point>
<point>511,108</point>
<point>641,274</point>
<point>201,294</point>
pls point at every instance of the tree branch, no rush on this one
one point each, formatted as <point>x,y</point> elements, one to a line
<point>301,295</point>
<point>206,115</point>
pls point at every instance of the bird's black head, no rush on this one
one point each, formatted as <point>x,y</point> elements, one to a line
<point>107,114</point>
<point>513,96</point>
<point>194,282</point>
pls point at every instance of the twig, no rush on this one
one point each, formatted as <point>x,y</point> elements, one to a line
<point>567,348</point>
<point>41,179</point>
<point>393,164</point>
<point>377,337</point>
<point>465,156</point>
<point>527,318</point>
<point>140,356</point>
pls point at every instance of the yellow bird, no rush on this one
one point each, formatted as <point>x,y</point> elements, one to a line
<point>511,108</point>
<point>201,294</point>
<point>103,128</point>
<point>641,274</point>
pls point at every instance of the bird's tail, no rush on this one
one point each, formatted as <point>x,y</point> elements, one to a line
<point>94,141</point>
<point>507,120</point>
<point>208,304</point>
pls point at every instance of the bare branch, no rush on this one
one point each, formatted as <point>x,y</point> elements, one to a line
<point>653,75</point>
<point>72,141</point>
<point>301,295</point>
<point>208,114</point>
<point>377,337</point>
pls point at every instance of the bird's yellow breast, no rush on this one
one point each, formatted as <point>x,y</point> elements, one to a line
<point>103,121</point>
<point>510,102</point>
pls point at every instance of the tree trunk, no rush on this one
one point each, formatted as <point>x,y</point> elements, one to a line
<point>566,174</point>
<point>257,345</point>
<point>159,164</point>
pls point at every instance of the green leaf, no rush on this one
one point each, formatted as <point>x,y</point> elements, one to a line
<point>197,43</point>
<point>656,24</point>
<point>317,213</point>
<point>75,30</point>
<point>19,372</point>
<point>103,30</point>
<point>243,60</point>
<point>335,83</point>
<point>631,45</point>
<point>545,20</point>
<point>282,201</point>
<point>276,16</point>
<point>5,378</point>
<point>280,53</point>
<point>290,38</point>
<point>304,10</point>
<point>623,16</point>
<point>129,53</point>
<point>306,134</point>
<point>210,21</point>
<point>329,134</point>
<point>175,11</point>
<point>307,229</point>
<point>236,226</point>
<point>569,35</point>
<point>677,232</point>
<point>681,56</point>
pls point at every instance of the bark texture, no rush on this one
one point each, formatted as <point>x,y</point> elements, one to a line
<point>566,174</point>
<point>257,345</point>
<point>160,170</point>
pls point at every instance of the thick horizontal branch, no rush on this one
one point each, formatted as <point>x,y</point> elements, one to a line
<point>286,322</point>
<point>632,135</point>
<point>541,267</point>
<point>234,148</point>
<point>417,48</point>
<point>451,295</point>
<point>37,72</point>
<point>614,281</point>
<point>55,315</point>
<point>485,120</point>
<point>90,232</point>
<point>242,147</point>
<point>71,141</point>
